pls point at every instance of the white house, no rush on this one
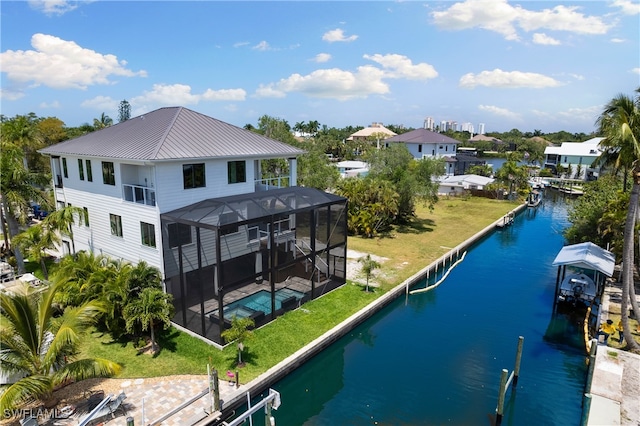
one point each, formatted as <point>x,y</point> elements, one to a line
<point>352,168</point>
<point>423,143</point>
<point>456,185</point>
<point>187,194</point>
<point>375,131</point>
<point>580,156</point>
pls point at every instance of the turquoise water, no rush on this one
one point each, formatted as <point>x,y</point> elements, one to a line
<point>435,358</point>
<point>260,301</point>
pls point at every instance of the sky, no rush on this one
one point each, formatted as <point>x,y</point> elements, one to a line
<point>532,65</point>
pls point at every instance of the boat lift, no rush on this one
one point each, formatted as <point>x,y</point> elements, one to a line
<point>271,401</point>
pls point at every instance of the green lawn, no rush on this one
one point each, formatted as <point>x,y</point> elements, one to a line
<point>408,249</point>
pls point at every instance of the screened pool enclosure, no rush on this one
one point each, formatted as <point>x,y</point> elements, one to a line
<point>253,255</point>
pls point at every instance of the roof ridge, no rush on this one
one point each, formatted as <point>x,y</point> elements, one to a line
<point>166,133</point>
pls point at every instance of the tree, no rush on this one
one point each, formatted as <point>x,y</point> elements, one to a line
<point>62,220</point>
<point>124,111</point>
<point>43,346</point>
<point>239,332</point>
<point>18,188</point>
<point>103,121</point>
<point>152,306</point>
<point>619,123</point>
<point>315,169</point>
<point>34,242</point>
<point>368,266</point>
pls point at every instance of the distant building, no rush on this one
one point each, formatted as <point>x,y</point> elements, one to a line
<point>352,168</point>
<point>376,129</point>
<point>423,143</point>
<point>456,185</point>
<point>429,124</point>
<point>481,128</point>
<point>579,156</point>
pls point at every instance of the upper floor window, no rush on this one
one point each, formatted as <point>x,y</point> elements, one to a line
<point>179,234</point>
<point>236,171</point>
<point>81,168</point>
<point>64,168</point>
<point>116,225</point>
<point>420,148</point>
<point>108,173</point>
<point>89,173</point>
<point>148,234</point>
<point>86,216</point>
<point>193,175</point>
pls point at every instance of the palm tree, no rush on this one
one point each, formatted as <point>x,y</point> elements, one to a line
<point>368,266</point>
<point>34,241</point>
<point>62,220</point>
<point>619,123</point>
<point>240,332</point>
<point>44,347</point>
<point>102,122</point>
<point>18,188</point>
<point>151,306</point>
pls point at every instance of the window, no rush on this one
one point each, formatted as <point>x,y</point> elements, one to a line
<point>236,171</point>
<point>64,168</point>
<point>193,175</point>
<point>81,168</point>
<point>116,225</point>
<point>108,173</point>
<point>89,173</point>
<point>179,234</point>
<point>86,216</point>
<point>228,218</point>
<point>148,233</point>
<point>420,148</point>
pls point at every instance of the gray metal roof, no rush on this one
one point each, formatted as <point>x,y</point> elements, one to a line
<point>172,133</point>
<point>421,136</point>
<point>586,256</point>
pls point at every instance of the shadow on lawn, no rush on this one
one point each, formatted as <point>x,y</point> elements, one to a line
<point>416,226</point>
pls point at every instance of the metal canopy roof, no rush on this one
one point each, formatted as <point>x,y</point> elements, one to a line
<point>587,256</point>
<point>251,206</point>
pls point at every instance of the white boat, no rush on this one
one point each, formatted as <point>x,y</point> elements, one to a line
<point>577,287</point>
<point>534,198</point>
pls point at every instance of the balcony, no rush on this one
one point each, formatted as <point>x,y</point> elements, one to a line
<point>272,183</point>
<point>139,194</point>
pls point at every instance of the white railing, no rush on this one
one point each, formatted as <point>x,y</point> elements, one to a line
<point>272,183</point>
<point>139,194</point>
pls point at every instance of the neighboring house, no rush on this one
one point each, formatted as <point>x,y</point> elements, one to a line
<point>186,193</point>
<point>374,132</point>
<point>423,143</point>
<point>465,159</point>
<point>580,156</point>
<point>456,185</point>
<point>352,168</point>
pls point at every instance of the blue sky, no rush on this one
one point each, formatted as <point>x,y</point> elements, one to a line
<point>546,65</point>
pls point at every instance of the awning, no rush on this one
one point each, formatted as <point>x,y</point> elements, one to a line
<point>586,256</point>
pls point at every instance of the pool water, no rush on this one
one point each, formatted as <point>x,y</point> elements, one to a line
<point>260,301</point>
<point>436,357</point>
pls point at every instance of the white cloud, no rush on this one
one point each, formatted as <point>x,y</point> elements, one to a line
<point>52,7</point>
<point>263,45</point>
<point>501,112</point>
<point>618,40</point>
<point>399,66</point>
<point>241,44</point>
<point>628,7</point>
<point>541,38</point>
<point>180,94</point>
<point>501,17</point>
<point>507,79</point>
<point>337,35</point>
<point>62,64</point>
<point>10,94</point>
<point>583,116</point>
<point>54,104</point>
<point>322,57</point>
<point>330,83</point>
<point>101,103</point>
<point>636,71</point>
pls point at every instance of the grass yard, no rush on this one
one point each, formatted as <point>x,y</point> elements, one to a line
<point>408,249</point>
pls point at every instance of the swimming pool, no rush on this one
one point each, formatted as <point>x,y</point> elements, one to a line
<point>260,301</point>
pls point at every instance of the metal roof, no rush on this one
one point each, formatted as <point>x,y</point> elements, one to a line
<point>422,135</point>
<point>586,256</point>
<point>172,133</point>
<point>253,205</point>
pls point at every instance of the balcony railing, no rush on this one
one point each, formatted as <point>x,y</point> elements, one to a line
<point>272,183</point>
<point>139,194</point>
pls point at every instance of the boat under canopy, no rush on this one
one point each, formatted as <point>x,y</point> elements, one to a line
<point>582,271</point>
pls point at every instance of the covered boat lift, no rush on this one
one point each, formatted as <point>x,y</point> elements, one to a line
<point>589,266</point>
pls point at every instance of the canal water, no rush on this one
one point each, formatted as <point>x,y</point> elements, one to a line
<point>435,358</point>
